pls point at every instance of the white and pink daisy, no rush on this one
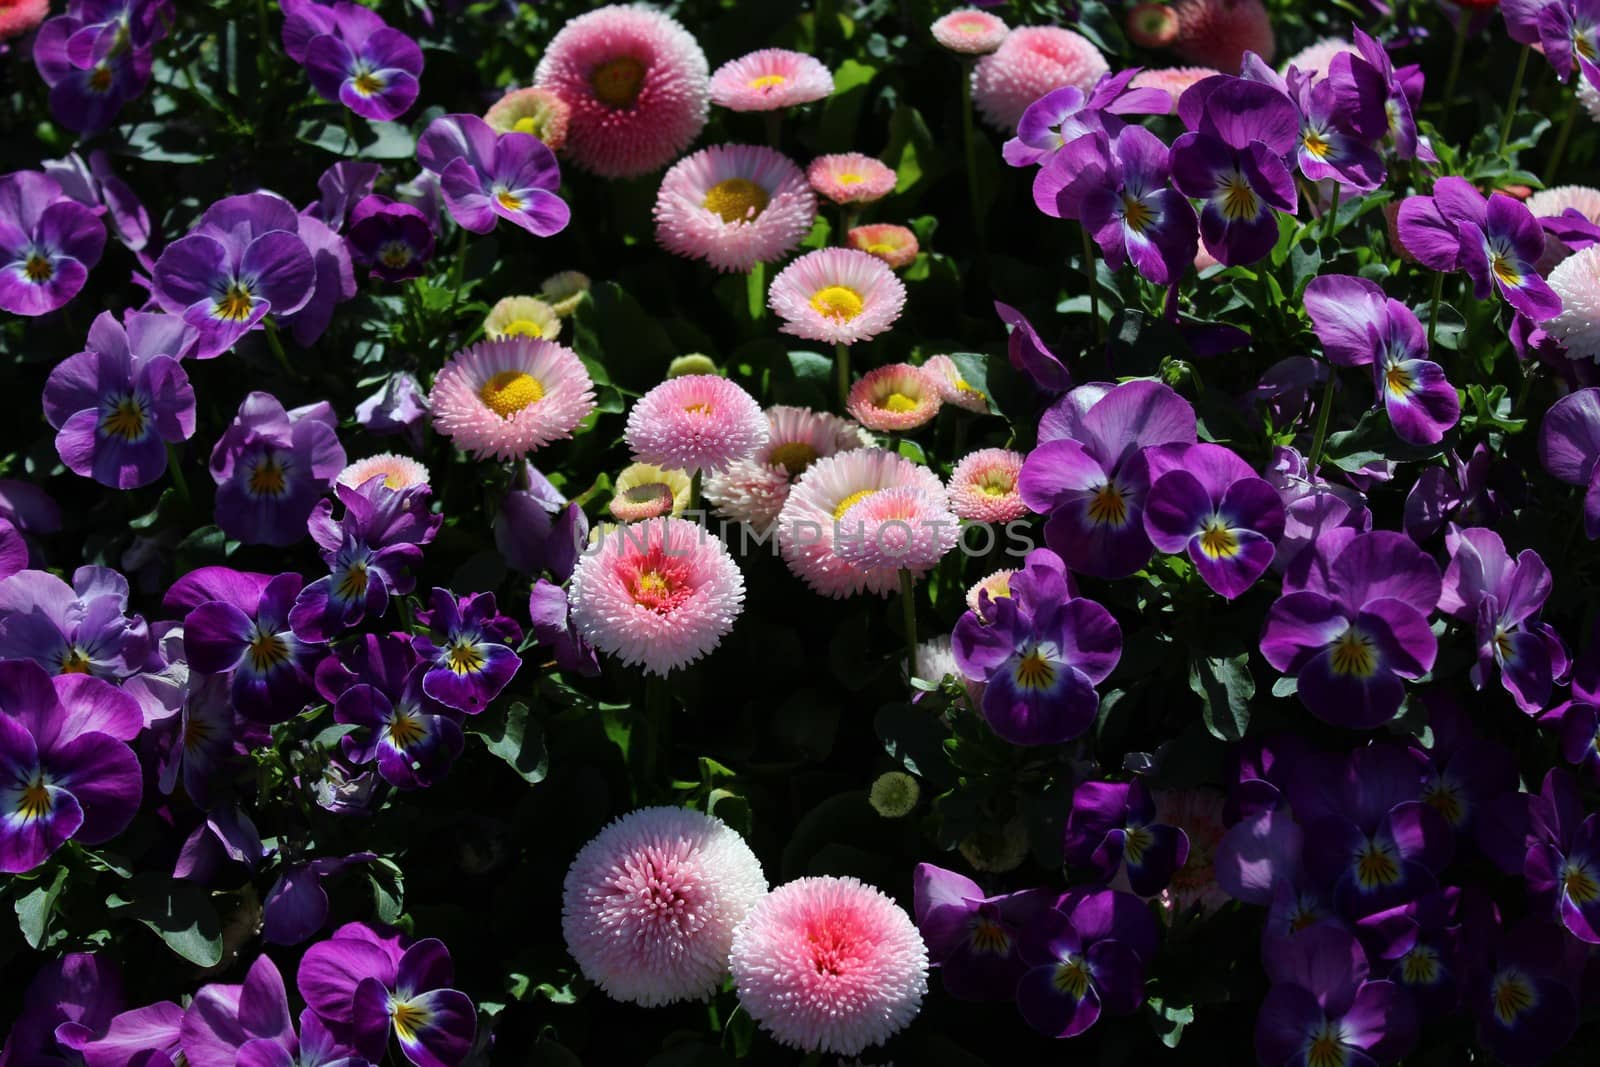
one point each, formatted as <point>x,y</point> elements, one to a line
<point>1174,81</point>
<point>636,83</point>
<point>970,32</point>
<point>895,245</point>
<point>818,509</point>
<point>397,471</point>
<point>837,295</point>
<point>1556,200</point>
<point>894,399</point>
<point>753,490</point>
<point>1217,33</point>
<point>646,491</point>
<point>770,80</point>
<point>522,316</point>
<point>1199,814</point>
<point>953,388</point>
<point>662,593</point>
<point>900,529</point>
<point>983,486</point>
<point>537,111</point>
<point>936,660</point>
<point>1576,280</point>
<point>851,178</point>
<point>996,585</point>
<point>699,422</point>
<point>829,965</point>
<point>503,399</point>
<point>734,206</point>
<point>1030,62</point>
<point>650,905</point>
<point>564,291</point>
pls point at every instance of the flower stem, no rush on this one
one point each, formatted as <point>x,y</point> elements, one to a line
<point>1454,76</point>
<point>908,605</point>
<point>756,291</point>
<point>1320,437</point>
<point>274,343</point>
<point>847,220</point>
<point>174,464</point>
<point>969,143</point>
<point>657,723</point>
<point>841,368</point>
<point>457,270</point>
<point>1511,104</point>
<point>1091,274</point>
<point>1332,226</point>
<point>1433,314</point>
<point>1562,138</point>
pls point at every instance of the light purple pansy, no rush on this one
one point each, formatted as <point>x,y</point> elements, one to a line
<point>1206,502</point>
<point>249,1025</point>
<point>48,243</point>
<point>374,74</point>
<point>296,906</point>
<point>1569,448</point>
<point>82,628</point>
<point>271,467</point>
<point>96,186</point>
<point>68,1001</point>
<point>486,177</point>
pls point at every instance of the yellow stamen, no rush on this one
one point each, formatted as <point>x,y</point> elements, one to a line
<point>1420,966</point>
<point>849,178</point>
<point>34,803</point>
<point>38,269</point>
<point>266,651</point>
<point>990,936</point>
<point>897,402</point>
<point>463,657</point>
<point>1326,1050</point>
<point>1512,995</point>
<point>1034,672</point>
<point>1135,839</point>
<point>405,730</point>
<point>1217,541</point>
<point>1108,506</point>
<point>522,328</point>
<point>353,582</point>
<point>1354,654</point>
<point>1136,214</point>
<point>1505,268</point>
<point>1445,800</point>
<point>838,302</point>
<point>509,200</point>
<point>1398,380</point>
<point>367,83</point>
<point>235,304</point>
<point>851,501</point>
<point>1579,881</point>
<point>1072,978</point>
<point>510,391</point>
<point>617,83</point>
<point>1376,866</point>
<point>407,1019</point>
<point>126,420</point>
<point>793,456</point>
<point>1315,144</point>
<point>1238,200</point>
<point>528,124</point>
<point>74,661</point>
<point>267,478</point>
<point>736,200</point>
<point>395,254</point>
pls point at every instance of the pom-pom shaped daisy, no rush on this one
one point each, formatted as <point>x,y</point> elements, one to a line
<point>1174,81</point>
<point>895,398</point>
<point>983,487</point>
<point>734,206</point>
<point>970,32</point>
<point>503,399</point>
<point>661,593</point>
<point>1576,280</point>
<point>818,512</point>
<point>537,111</point>
<point>397,471</point>
<point>522,316</point>
<point>1217,33</point>
<point>645,491</point>
<point>953,388</point>
<point>902,529</point>
<point>636,83</point>
<point>1555,201</point>
<point>996,586</point>
<point>936,659</point>
<point>829,965</point>
<point>851,178</point>
<point>1316,58</point>
<point>650,905</point>
<point>1029,63</point>
<point>564,291</point>
<point>837,295</point>
<point>770,80</point>
<point>753,490</point>
<point>1152,25</point>
<point>697,422</point>
<point>895,245</point>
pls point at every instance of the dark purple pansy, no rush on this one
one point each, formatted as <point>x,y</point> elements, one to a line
<point>1562,860</point>
<point>144,1037</point>
<point>271,467</point>
<point>96,186</point>
<point>244,631</point>
<point>400,407</point>
<point>1061,116</point>
<point>1112,827</point>
<point>550,624</point>
<point>68,1001</point>
<point>412,737</point>
<point>1341,116</point>
<point>1462,772</point>
<point>536,528</point>
<point>1127,205</point>
<point>1359,326</point>
<point>486,177</point>
<point>296,906</point>
<point>1417,946</point>
<point>119,403</point>
<point>1499,599</point>
<point>48,243</point>
<point>1323,1009</point>
<point>394,240</point>
<point>97,57</point>
<point>1089,473</point>
<point>1524,993</point>
<point>1312,506</point>
<point>466,651</point>
<point>1086,957</point>
<point>1569,36</point>
<point>1205,501</point>
<point>82,628</point>
<point>1462,492</point>
<point>1569,447</point>
<point>972,938</point>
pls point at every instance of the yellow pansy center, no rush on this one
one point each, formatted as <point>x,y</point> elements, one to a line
<point>617,83</point>
<point>38,268</point>
<point>1354,654</point>
<point>267,478</point>
<point>838,302</point>
<point>367,82</point>
<point>1217,541</point>
<point>510,391</point>
<point>1316,144</point>
<point>408,1018</point>
<point>1505,268</point>
<point>1511,994</point>
<point>1034,671</point>
<point>405,730</point>
<point>736,199</point>
<point>1578,879</point>
<point>353,583</point>
<point>1072,977</point>
<point>34,803</point>
<point>1377,865</point>
<point>235,304</point>
<point>1398,380</point>
<point>1238,200</point>
<point>394,254</point>
<point>1136,214</point>
<point>509,200</point>
<point>125,419</point>
<point>265,651</point>
<point>74,661</point>
<point>1108,507</point>
<point>463,657</point>
<point>1420,966</point>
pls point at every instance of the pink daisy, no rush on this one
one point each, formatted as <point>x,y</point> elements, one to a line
<point>1217,33</point>
<point>697,422</point>
<point>769,80</point>
<point>983,487</point>
<point>1557,199</point>
<point>1577,282</point>
<point>851,178</point>
<point>663,593</point>
<point>894,399</point>
<point>837,295</point>
<point>398,472</point>
<point>953,388</point>
<point>650,905</point>
<point>1152,25</point>
<point>901,529</point>
<point>17,17</point>
<point>817,509</point>
<point>1030,62</point>
<point>970,31</point>
<point>506,398</point>
<point>649,501</point>
<point>636,83</point>
<point>734,206</point>
<point>996,585</point>
<point>830,965</point>
<point>1316,58</point>
<point>753,490</point>
<point>895,245</point>
<point>1174,81</point>
<point>1199,814</point>
<point>537,111</point>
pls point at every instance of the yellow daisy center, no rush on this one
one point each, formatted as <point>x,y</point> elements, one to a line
<point>617,82</point>
<point>898,402</point>
<point>510,391</point>
<point>527,124</point>
<point>736,199</point>
<point>522,328</point>
<point>851,501</point>
<point>793,456</point>
<point>767,81</point>
<point>849,178</point>
<point>838,302</point>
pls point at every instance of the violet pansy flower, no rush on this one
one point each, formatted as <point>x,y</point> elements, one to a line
<point>486,177</point>
<point>1569,448</point>
<point>68,1001</point>
<point>119,403</point>
<point>974,939</point>
<point>1087,956</point>
<point>96,186</point>
<point>271,467</point>
<point>373,72</point>
<point>244,631</point>
<point>1113,827</point>
<point>1562,864</point>
<point>1324,1009</point>
<point>1460,492</point>
<point>1524,996</point>
<point>1569,33</point>
<point>249,1025</point>
<point>296,906</point>
<point>48,243</point>
<point>1208,503</point>
<point>1340,116</point>
<point>83,628</point>
<point>1127,205</point>
<point>391,238</point>
<point>97,57</point>
<point>466,651</point>
<point>412,737</point>
<point>1062,115</point>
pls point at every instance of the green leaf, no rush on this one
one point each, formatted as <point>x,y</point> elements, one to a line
<point>178,912</point>
<point>388,889</point>
<point>519,741</point>
<point>837,130</point>
<point>373,140</point>
<point>915,739</point>
<point>37,907</point>
<point>1225,687</point>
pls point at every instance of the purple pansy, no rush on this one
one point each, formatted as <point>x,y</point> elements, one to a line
<point>96,186</point>
<point>243,260</point>
<point>1562,862</point>
<point>466,651</point>
<point>48,243</point>
<point>1061,116</point>
<point>399,407</point>
<point>1232,158</point>
<point>1312,506</point>
<point>144,1037</point>
<point>223,844</point>
<point>1205,501</point>
<point>536,528</point>
<point>334,283</point>
<point>371,552</point>
<point>1126,204</point>
<point>1496,241</point>
<point>97,57</point>
<point>1569,447</point>
<point>296,906</point>
<point>391,238</point>
<point>1460,492</point>
<point>69,1001</point>
<point>66,771</point>
<point>1524,995</point>
<point>413,738</point>
<point>1499,599</point>
<point>1028,352</point>
<point>1113,826</point>
<point>550,624</point>
<point>119,403</point>
<point>1089,473</point>
<point>372,70</point>
<point>249,1025</point>
<point>1354,629</point>
<point>1341,115</point>
<point>1420,944</point>
<point>243,629</point>
<point>1462,772</point>
<point>1359,326</point>
<point>1569,33</point>
<point>203,738</point>
<point>82,628</point>
<point>974,939</point>
<point>271,467</point>
<point>1086,956</point>
<point>1323,1009</point>
<point>486,177</point>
